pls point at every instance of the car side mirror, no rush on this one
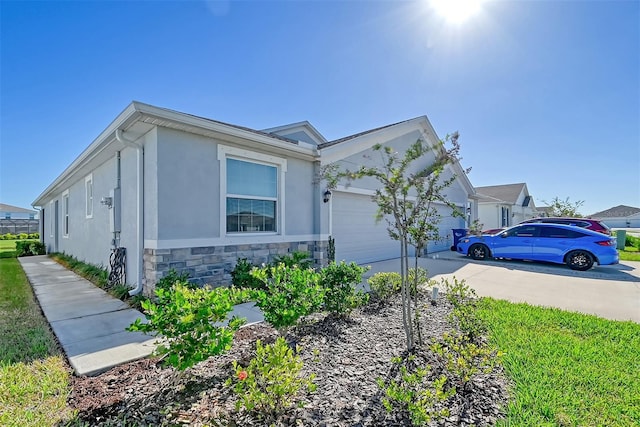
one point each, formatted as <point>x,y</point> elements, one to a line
<point>503,235</point>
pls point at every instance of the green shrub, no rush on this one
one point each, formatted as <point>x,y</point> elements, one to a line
<point>300,259</point>
<point>34,236</point>
<point>29,247</point>
<point>174,278</point>
<point>409,390</point>
<point>242,278</point>
<point>187,320</point>
<point>385,284</point>
<point>291,292</point>
<point>339,281</point>
<point>464,359</point>
<point>632,241</point>
<point>272,380</point>
<point>37,248</point>
<point>464,313</point>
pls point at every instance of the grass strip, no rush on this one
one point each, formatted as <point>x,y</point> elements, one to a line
<point>34,380</point>
<point>567,369</point>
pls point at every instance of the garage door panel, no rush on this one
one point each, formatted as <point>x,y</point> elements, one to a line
<point>359,238</point>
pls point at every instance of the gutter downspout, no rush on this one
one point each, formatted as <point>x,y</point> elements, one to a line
<point>140,206</point>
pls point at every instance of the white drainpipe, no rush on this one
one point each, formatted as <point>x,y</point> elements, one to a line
<point>140,206</point>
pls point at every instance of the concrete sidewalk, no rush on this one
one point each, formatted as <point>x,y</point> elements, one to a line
<point>88,322</point>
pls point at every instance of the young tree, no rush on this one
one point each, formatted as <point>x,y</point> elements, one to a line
<point>564,207</point>
<point>406,200</point>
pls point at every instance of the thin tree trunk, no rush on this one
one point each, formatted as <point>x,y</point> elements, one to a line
<point>408,298</point>
<point>416,308</point>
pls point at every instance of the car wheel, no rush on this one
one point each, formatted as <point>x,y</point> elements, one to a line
<point>579,260</point>
<point>479,251</point>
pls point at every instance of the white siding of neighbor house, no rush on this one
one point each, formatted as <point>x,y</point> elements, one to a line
<point>489,215</point>
<point>632,221</point>
<point>357,235</point>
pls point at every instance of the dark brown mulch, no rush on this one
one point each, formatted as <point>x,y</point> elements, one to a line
<point>347,356</point>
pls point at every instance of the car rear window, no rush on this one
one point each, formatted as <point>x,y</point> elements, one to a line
<point>560,233</point>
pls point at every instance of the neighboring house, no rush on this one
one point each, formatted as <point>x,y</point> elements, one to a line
<point>14,212</point>
<point>17,220</point>
<point>620,216</point>
<point>504,205</point>
<point>192,194</point>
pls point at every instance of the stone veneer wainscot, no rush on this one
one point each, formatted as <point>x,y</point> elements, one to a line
<point>212,265</point>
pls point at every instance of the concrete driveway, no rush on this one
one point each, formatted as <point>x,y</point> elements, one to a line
<point>612,292</point>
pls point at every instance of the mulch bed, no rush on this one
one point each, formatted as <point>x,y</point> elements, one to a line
<point>347,356</point>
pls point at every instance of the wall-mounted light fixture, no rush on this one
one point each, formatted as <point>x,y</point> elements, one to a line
<point>326,196</point>
<point>107,201</point>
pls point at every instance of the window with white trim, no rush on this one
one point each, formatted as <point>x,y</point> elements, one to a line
<point>88,191</point>
<point>65,214</point>
<point>252,196</point>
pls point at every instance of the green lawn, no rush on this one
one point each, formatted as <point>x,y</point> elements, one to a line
<point>34,380</point>
<point>567,369</point>
<point>630,253</point>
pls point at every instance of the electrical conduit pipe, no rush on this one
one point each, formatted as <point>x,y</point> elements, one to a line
<point>140,206</point>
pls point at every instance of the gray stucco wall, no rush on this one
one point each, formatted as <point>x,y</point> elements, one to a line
<point>188,189</point>
<point>89,239</point>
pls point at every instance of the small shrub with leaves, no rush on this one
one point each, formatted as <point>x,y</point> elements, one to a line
<point>271,382</point>
<point>339,281</point>
<point>188,322</point>
<point>29,247</point>
<point>410,390</point>
<point>417,277</point>
<point>241,276</point>
<point>385,284</point>
<point>172,278</point>
<point>291,292</point>
<point>464,359</point>
<point>295,259</point>
<point>464,313</point>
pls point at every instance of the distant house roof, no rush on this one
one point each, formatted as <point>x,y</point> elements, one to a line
<point>620,211</point>
<point>507,193</point>
<point>9,208</point>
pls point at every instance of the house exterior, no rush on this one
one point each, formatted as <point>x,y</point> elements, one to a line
<point>14,212</point>
<point>504,205</point>
<point>17,220</point>
<point>192,194</point>
<point>620,216</point>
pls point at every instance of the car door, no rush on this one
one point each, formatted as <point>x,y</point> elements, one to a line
<point>554,242</point>
<point>516,242</point>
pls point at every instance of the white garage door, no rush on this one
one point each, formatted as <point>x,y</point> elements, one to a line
<point>358,237</point>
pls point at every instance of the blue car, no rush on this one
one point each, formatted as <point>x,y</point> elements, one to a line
<point>579,248</point>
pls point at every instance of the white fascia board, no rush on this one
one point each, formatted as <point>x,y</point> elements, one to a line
<point>342,150</point>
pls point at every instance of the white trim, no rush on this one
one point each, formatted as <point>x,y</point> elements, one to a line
<point>224,152</point>
<point>65,214</point>
<point>234,239</point>
<point>88,200</point>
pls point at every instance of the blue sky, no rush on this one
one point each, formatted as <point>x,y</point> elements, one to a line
<point>542,92</point>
